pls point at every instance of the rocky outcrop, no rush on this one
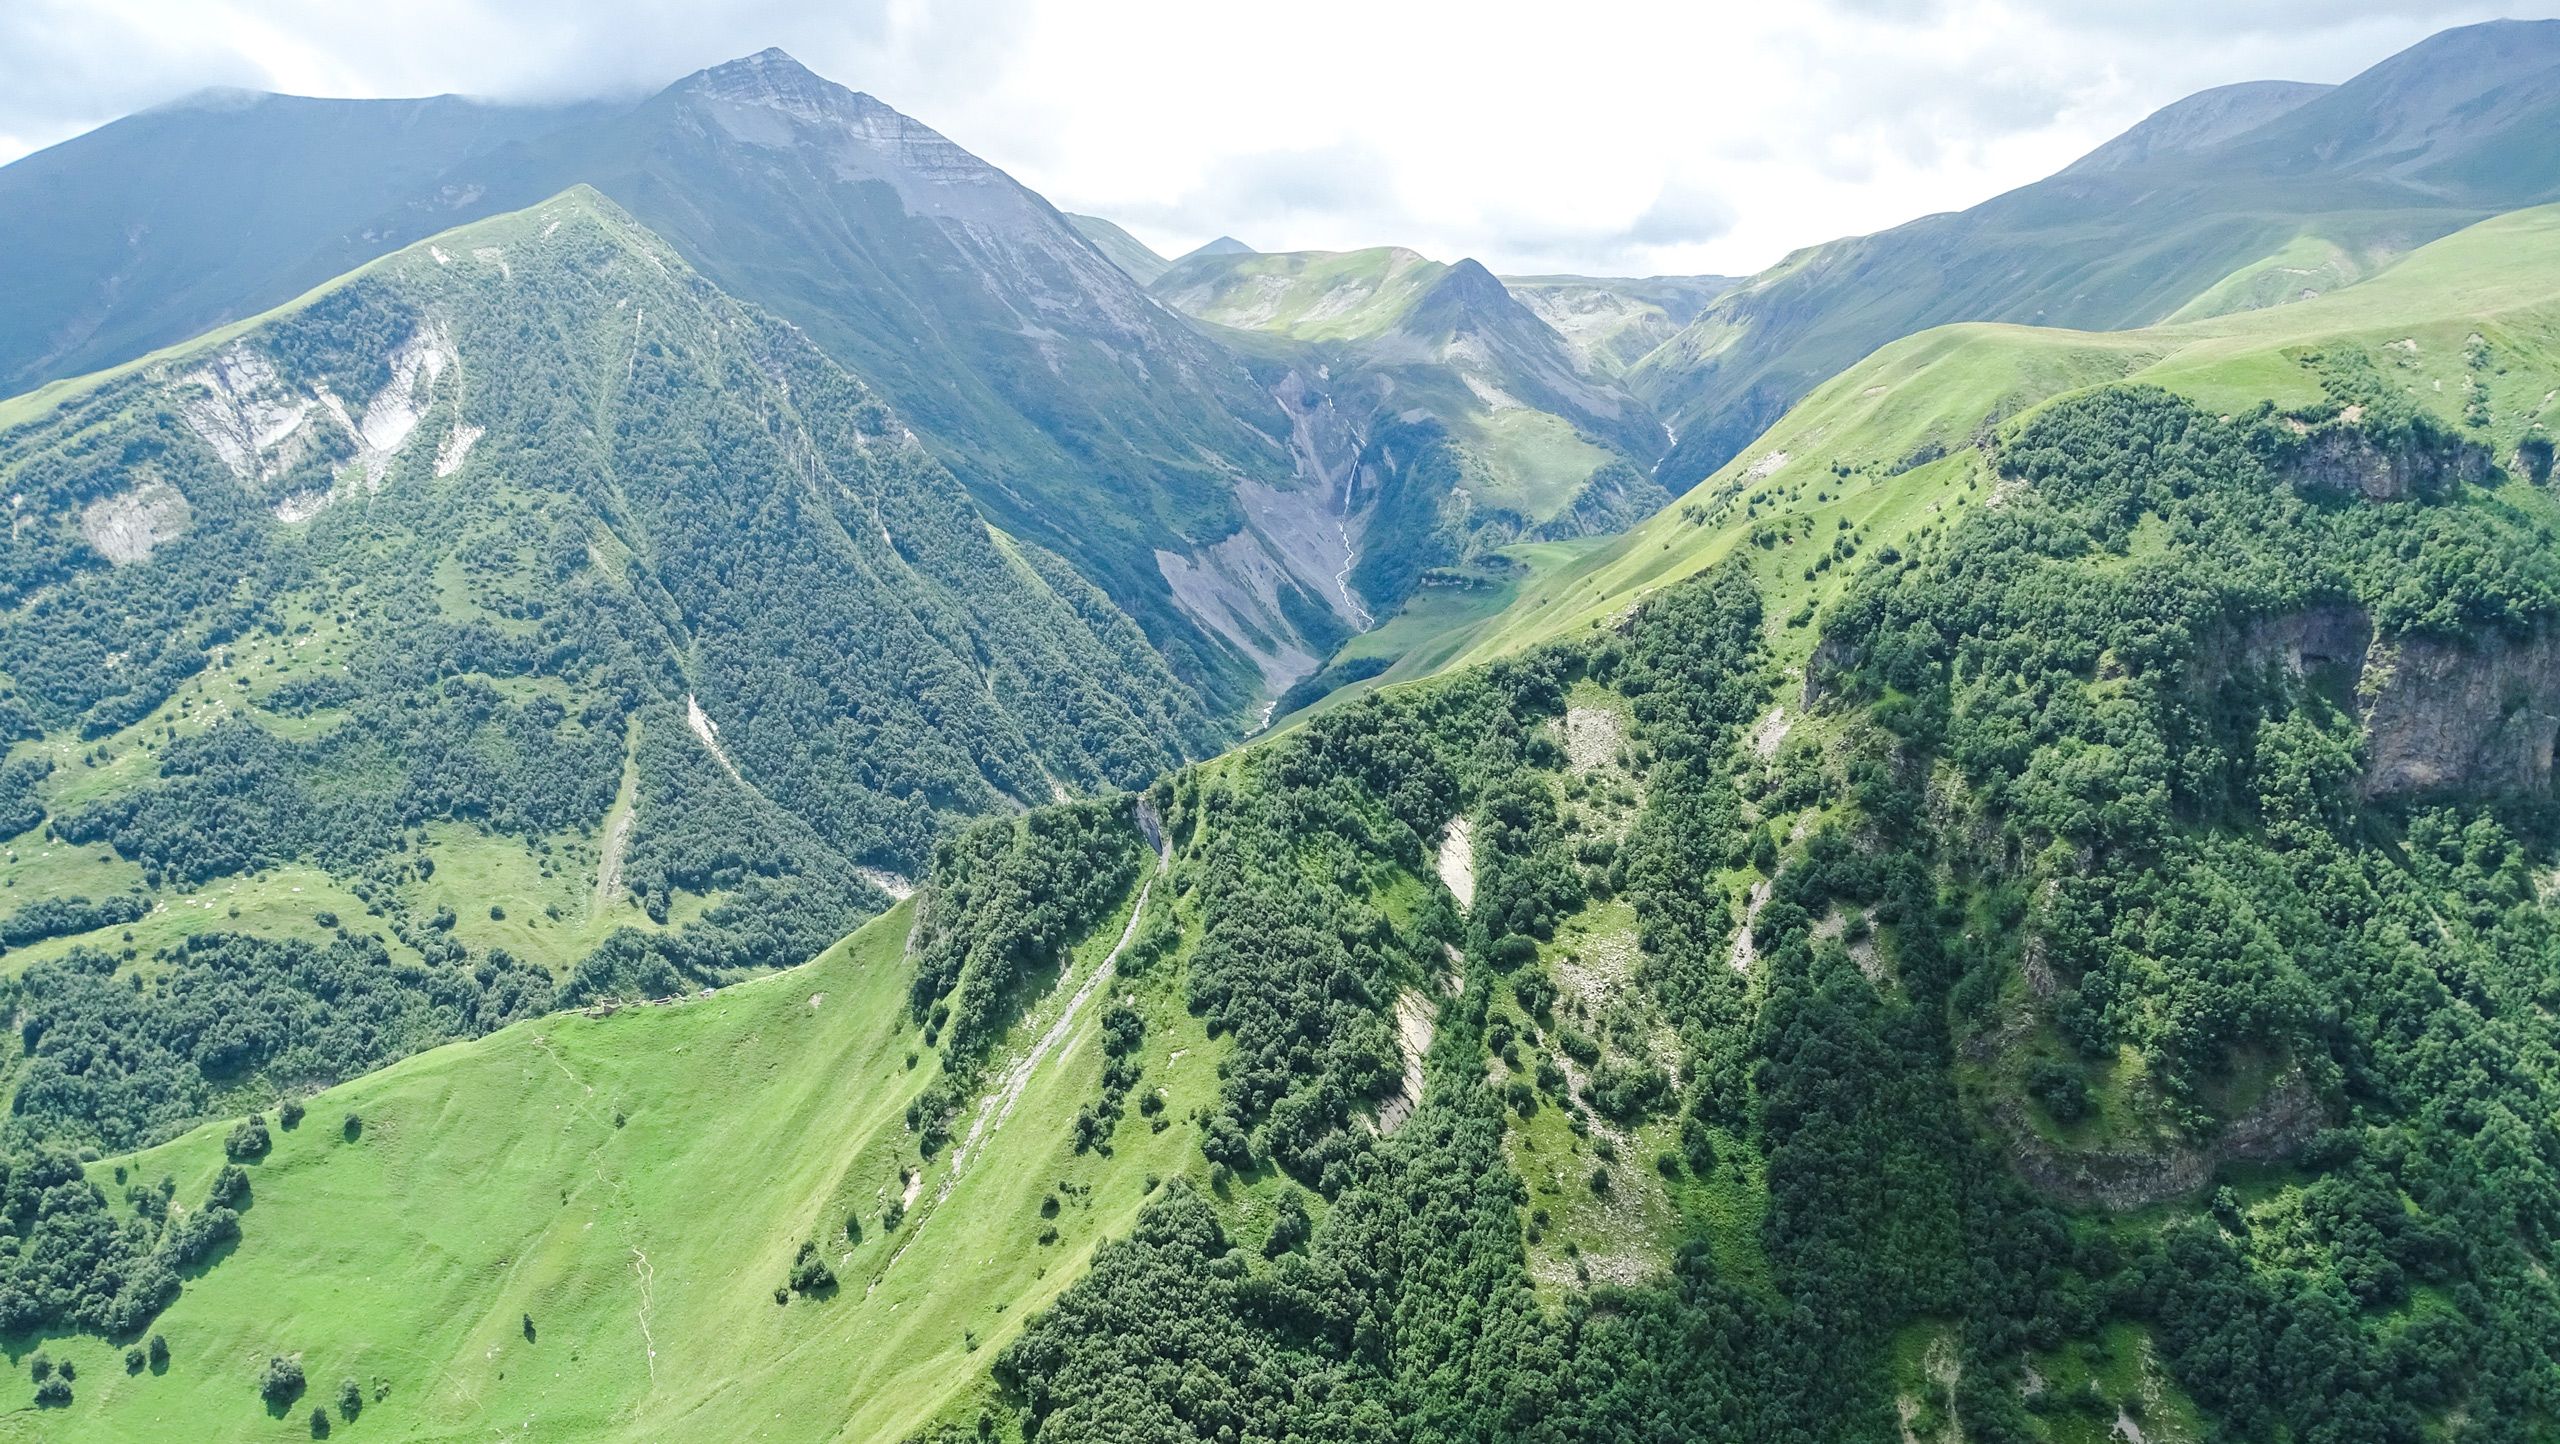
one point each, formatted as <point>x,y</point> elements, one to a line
<point>2119,1179</point>
<point>2481,716</point>
<point>2348,458</point>
<point>2477,716</point>
<point>125,527</point>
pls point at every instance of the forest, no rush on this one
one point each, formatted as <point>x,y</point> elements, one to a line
<point>2052,866</point>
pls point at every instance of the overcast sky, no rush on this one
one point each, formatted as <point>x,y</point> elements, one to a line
<point>1602,135</point>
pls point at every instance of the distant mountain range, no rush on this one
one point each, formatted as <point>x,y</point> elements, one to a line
<point>2248,195</point>
<point>1256,455</point>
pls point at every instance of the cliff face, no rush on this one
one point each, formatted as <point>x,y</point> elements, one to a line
<point>2347,458</point>
<point>2479,716</point>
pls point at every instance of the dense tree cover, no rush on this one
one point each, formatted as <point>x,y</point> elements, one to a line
<point>67,1261</point>
<point>56,917</point>
<point>786,893</point>
<point>125,1060</point>
<point>1009,896</point>
<point>670,503</point>
<point>2043,755</point>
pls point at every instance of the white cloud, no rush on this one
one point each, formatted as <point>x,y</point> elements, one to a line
<point>1604,135</point>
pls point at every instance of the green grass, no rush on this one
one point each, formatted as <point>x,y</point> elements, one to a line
<point>1304,295</point>
<point>640,1182</point>
<point>2499,279</point>
<point>1538,461</point>
<point>1439,623</point>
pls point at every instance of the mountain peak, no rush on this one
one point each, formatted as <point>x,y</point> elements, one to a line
<point>771,78</point>
<point>2199,122</point>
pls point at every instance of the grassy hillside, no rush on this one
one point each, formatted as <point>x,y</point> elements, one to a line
<point>1888,445</point>
<point>2208,206</point>
<point>638,1185</point>
<point>1305,295</point>
<point>517,619</point>
<point>1123,249</point>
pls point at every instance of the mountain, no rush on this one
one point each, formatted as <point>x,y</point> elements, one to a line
<point>164,225</point>
<point>517,621</point>
<point>2045,973</point>
<point>1080,415</point>
<point>1222,246</point>
<point>1613,322</point>
<point>1121,248</point>
<point>1458,421</point>
<point>2240,197</point>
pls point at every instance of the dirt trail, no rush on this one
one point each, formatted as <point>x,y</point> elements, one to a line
<point>998,1104</point>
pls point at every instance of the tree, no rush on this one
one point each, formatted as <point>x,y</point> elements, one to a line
<point>281,1381</point>
<point>247,1142</point>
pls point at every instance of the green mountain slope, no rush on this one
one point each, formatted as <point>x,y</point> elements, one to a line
<point>1079,415</point>
<point>598,1251</point>
<point>2238,197</point>
<point>519,614</point>
<point>1888,446</point>
<point>1122,249</point>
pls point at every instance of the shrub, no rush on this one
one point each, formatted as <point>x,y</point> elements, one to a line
<point>230,1187</point>
<point>291,1113</point>
<point>69,1370</point>
<point>281,1381</point>
<point>159,1349</point>
<point>325,918</point>
<point>319,1423</point>
<point>1535,993</point>
<point>248,1139</point>
<point>133,1360</point>
<point>809,1271</point>
<point>2063,1090</point>
<point>350,1399</point>
<point>52,1394</point>
<point>40,1366</point>
<point>497,914</point>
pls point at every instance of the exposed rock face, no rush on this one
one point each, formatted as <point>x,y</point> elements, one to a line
<point>2129,1178</point>
<point>125,527</point>
<point>2345,458</point>
<point>2480,717</point>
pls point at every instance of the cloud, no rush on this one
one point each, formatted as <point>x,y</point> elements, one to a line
<point>1712,135</point>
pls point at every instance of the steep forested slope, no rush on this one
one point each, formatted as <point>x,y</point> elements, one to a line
<point>1078,414</point>
<point>557,621</point>
<point>2112,985</point>
<point>2235,198</point>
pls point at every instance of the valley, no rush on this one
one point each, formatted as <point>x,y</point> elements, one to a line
<point>745,784</point>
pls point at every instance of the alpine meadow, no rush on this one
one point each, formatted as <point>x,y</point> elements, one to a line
<point>682,767</point>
